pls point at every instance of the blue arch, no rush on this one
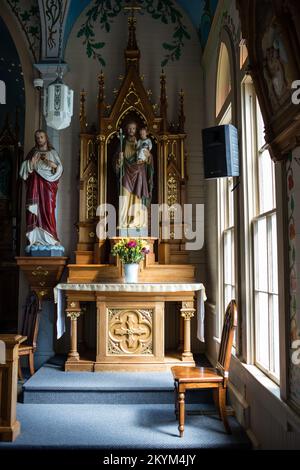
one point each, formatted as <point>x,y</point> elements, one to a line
<point>197,10</point>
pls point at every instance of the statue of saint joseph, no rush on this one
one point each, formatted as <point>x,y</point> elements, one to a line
<point>136,182</point>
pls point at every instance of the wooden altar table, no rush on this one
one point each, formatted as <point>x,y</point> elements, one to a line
<point>130,324</point>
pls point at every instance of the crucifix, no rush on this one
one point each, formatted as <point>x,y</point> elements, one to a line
<point>133,7</point>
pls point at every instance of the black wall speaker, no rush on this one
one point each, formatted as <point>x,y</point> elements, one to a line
<point>221,152</point>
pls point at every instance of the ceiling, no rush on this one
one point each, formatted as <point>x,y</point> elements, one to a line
<point>201,13</point>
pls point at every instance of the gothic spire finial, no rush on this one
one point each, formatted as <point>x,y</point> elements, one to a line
<point>132,53</point>
<point>163,101</point>
<point>82,116</point>
<point>181,112</point>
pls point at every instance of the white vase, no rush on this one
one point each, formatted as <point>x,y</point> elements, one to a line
<point>131,272</point>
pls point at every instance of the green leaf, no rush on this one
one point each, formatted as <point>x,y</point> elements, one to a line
<point>89,50</point>
<point>178,53</point>
<point>80,32</point>
<point>292,204</point>
<point>185,33</point>
<point>98,45</point>
<point>25,16</point>
<point>169,47</point>
<point>34,30</point>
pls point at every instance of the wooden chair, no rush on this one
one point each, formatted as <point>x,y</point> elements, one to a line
<point>187,378</point>
<point>29,328</point>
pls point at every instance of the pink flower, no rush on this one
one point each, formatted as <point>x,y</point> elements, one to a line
<point>131,244</point>
<point>146,251</point>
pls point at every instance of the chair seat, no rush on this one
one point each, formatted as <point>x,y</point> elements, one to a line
<point>196,374</point>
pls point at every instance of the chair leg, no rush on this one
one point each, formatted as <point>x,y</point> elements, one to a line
<point>31,363</point>
<point>216,400</point>
<point>181,403</point>
<point>222,406</point>
<point>176,401</point>
<point>20,370</point>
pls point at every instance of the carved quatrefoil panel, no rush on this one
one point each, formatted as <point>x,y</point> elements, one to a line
<point>130,331</point>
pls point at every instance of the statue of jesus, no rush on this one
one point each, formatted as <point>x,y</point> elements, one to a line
<point>41,170</point>
<point>136,182</point>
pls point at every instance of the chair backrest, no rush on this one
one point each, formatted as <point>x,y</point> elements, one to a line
<point>230,323</point>
<point>30,321</point>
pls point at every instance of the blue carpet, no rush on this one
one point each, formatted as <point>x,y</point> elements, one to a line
<point>120,427</point>
<point>50,384</point>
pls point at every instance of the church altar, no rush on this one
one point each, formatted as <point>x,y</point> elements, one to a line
<point>130,324</point>
<point>124,192</point>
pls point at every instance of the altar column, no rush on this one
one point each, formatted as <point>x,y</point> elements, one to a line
<point>73,312</point>
<point>187,313</point>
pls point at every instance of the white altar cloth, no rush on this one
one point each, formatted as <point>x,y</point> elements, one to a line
<point>139,287</point>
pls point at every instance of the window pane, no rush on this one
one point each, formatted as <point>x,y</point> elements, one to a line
<point>261,141</point>
<point>228,295</point>
<point>275,317</point>
<point>266,183</point>
<point>273,254</point>
<point>228,257</point>
<point>262,329</point>
<point>261,255</point>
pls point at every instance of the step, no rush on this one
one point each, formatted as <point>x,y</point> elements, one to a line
<point>50,385</point>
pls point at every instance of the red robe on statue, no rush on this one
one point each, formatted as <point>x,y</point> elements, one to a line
<point>42,185</point>
<point>43,193</point>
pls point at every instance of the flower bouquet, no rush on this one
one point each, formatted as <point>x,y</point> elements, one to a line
<point>131,253</point>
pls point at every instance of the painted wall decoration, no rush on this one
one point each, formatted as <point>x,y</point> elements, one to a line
<point>28,15</point>
<point>103,12</point>
<point>12,75</point>
<point>293,178</point>
<point>202,13</point>
<point>276,66</point>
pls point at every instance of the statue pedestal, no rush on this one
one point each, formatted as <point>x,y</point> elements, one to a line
<point>43,273</point>
<point>133,232</point>
<point>45,251</point>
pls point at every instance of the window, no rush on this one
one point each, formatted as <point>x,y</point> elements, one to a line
<point>227,235</point>
<point>228,244</point>
<point>263,233</point>
<point>2,92</point>
<point>223,79</point>
<point>243,53</point>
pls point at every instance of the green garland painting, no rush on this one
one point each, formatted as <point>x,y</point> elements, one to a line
<point>103,13</point>
<point>28,16</point>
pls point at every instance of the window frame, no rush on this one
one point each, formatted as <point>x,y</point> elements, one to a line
<point>252,214</point>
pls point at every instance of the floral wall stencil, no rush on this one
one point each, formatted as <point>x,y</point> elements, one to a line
<point>293,187</point>
<point>28,15</point>
<point>102,13</point>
